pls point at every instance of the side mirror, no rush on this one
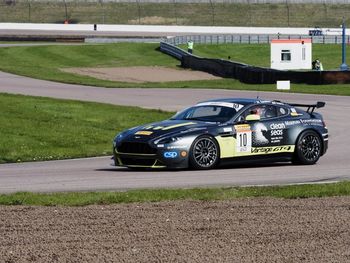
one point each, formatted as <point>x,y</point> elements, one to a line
<point>252,117</point>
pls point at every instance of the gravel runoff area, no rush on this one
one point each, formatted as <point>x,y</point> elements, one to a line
<point>142,74</point>
<point>241,230</point>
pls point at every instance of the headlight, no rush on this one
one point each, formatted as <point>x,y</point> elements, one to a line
<point>167,140</point>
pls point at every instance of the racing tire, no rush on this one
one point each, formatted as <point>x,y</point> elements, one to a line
<point>308,148</point>
<point>204,153</point>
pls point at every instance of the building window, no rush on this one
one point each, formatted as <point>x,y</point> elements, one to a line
<point>286,56</point>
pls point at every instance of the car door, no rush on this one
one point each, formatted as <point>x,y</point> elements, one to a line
<point>260,136</point>
<point>270,134</point>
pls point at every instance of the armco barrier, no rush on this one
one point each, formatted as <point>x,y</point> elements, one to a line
<point>172,50</point>
<point>253,75</point>
<point>257,75</point>
<point>251,38</point>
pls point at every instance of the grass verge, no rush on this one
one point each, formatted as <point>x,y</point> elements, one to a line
<point>34,129</point>
<point>325,13</point>
<point>206,194</point>
<point>45,62</point>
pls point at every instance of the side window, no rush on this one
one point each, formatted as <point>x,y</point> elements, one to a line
<point>270,111</point>
<point>264,111</point>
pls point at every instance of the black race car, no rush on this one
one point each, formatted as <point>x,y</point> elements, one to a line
<point>226,131</point>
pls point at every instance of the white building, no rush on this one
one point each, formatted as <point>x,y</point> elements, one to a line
<point>291,54</point>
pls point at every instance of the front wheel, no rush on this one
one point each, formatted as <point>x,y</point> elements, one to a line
<point>308,148</point>
<point>204,153</point>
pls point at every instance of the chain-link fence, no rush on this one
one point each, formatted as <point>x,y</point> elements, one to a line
<point>291,13</point>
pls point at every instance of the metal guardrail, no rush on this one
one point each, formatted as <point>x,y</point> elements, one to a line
<point>173,50</point>
<point>251,39</point>
<point>169,45</point>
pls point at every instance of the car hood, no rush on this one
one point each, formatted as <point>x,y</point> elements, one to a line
<point>165,128</point>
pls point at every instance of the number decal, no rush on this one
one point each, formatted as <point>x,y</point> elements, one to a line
<point>244,138</point>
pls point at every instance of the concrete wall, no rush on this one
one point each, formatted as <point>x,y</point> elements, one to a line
<point>169,30</point>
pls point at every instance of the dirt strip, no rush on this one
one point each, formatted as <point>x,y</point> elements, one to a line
<point>243,230</point>
<point>142,74</point>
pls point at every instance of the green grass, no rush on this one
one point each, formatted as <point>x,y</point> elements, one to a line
<point>210,13</point>
<point>45,62</point>
<point>35,129</point>
<point>206,194</point>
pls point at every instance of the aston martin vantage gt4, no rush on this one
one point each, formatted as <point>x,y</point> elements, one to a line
<point>226,131</point>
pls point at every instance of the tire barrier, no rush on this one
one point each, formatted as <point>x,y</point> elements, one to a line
<point>250,74</point>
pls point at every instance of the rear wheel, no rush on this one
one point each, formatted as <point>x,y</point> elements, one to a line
<point>204,153</point>
<point>308,148</point>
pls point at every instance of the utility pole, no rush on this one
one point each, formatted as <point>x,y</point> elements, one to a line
<point>343,65</point>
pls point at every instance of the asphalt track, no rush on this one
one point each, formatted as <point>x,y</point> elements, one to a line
<point>98,174</point>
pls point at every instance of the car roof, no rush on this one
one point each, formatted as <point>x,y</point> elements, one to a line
<point>242,101</point>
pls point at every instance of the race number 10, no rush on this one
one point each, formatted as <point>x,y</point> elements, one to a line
<point>244,139</point>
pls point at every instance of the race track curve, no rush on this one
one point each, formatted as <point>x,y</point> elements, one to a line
<point>96,174</point>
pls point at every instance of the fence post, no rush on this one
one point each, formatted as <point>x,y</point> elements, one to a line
<point>65,9</point>
<point>175,14</point>
<point>212,12</point>
<point>138,10</point>
<point>287,5</point>
<point>29,10</point>
<point>103,11</point>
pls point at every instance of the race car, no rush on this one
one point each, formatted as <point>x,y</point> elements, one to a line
<point>226,132</point>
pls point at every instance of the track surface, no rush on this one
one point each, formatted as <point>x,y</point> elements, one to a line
<point>97,174</point>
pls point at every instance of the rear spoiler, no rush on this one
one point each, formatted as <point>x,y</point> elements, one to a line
<point>310,107</point>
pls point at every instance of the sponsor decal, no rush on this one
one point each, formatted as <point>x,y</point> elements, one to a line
<point>235,106</point>
<point>177,147</point>
<point>259,137</point>
<point>242,127</point>
<point>277,103</point>
<point>143,133</point>
<point>160,145</point>
<point>165,128</point>
<point>170,155</point>
<point>282,111</point>
<point>293,112</point>
<point>275,126</point>
<point>227,129</point>
<point>274,149</point>
<point>291,123</point>
<point>312,122</point>
<point>277,130</point>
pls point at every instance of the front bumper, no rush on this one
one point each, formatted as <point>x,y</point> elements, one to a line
<point>160,159</point>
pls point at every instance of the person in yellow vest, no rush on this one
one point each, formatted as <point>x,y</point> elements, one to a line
<point>190,46</point>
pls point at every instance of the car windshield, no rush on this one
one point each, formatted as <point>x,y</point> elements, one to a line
<point>208,113</point>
